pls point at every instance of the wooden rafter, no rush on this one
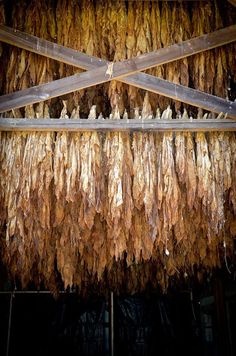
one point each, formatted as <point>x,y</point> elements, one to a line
<point>120,70</point>
<point>9,124</point>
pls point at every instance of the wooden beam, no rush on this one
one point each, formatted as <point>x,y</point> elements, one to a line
<point>181,93</point>
<point>28,125</point>
<point>49,49</point>
<point>121,69</point>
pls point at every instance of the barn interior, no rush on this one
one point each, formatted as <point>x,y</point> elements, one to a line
<point>117,177</point>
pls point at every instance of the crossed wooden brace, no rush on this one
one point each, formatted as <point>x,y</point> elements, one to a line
<point>101,71</point>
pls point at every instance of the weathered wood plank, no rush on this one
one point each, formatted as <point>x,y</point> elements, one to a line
<point>53,89</point>
<point>28,125</point>
<point>181,93</point>
<point>49,49</point>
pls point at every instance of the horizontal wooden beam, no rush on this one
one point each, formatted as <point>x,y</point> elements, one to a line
<point>27,125</point>
<point>121,70</point>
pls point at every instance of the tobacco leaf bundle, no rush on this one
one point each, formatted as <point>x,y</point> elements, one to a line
<point>92,202</point>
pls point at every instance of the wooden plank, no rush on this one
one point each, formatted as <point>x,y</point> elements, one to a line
<point>142,62</point>
<point>184,94</point>
<point>119,71</point>
<point>28,125</point>
<point>49,49</point>
<point>53,89</point>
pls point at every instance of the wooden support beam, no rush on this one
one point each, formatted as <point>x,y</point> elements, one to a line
<point>181,93</point>
<point>49,49</point>
<point>27,125</point>
<point>123,69</point>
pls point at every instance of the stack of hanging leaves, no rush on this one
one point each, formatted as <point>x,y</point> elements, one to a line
<point>77,202</point>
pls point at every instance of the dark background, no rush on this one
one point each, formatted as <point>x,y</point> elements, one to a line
<point>181,322</point>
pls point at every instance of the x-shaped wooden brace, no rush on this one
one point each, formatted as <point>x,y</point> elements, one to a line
<point>101,71</point>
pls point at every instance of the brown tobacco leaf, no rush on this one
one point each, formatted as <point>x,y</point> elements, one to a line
<point>74,165</point>
<point>118,171</point>
<point>217,161</point>
<point>130,37</point>
<point>233,170</point>
<point>2,22</point>
<point>73,168</point>
<point>141,235</point>
<point>91,173</point>
<point>191,171</point>
<point>180,157</point>
<point>204,170</point>
<point>185,160</point>
<point>116,89</point>
<point>13,175</point>
<point>226,160</point>
<point>67,246</point>
<point>60,162</point>
<point>168,187</point>
<point>145,173</point>
<point>61,157</point>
